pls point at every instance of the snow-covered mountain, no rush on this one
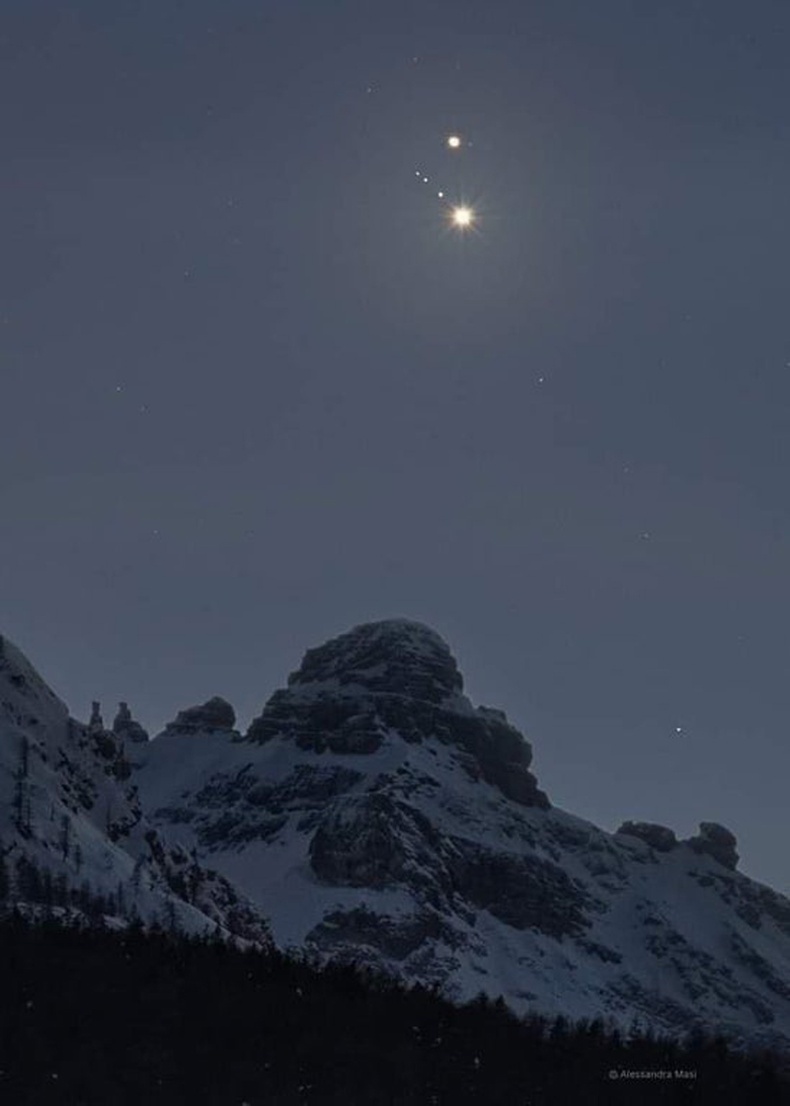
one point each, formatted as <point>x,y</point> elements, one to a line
<point>73,834</point>
<point>372,812</point>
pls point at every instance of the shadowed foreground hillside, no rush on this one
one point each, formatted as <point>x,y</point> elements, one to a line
<point>90,1017</point>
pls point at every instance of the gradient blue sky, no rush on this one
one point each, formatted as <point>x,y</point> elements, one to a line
<point>255,392</point>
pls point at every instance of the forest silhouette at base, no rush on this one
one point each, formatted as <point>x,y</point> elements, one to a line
<point>91,1016</point>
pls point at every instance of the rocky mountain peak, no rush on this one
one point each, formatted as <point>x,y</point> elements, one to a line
<point>399,678</point>
<point>396,657</point>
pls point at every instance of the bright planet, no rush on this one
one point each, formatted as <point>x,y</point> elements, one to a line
<point>462,217</point>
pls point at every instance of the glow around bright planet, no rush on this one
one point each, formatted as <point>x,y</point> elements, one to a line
<point>462,217</point>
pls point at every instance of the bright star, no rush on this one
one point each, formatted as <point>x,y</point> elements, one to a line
<point>454,141</point>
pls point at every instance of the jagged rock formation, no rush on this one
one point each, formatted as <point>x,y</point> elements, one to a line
<point>214,716</point>
<point>395,657</point>
<point>395,676</point>
<point>96,723</point>
<point>125,727</point>
<point>716,841</point>
<point>658,837</point>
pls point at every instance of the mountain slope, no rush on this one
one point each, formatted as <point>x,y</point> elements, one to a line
<point>373,813</point>
<point>73,834</point>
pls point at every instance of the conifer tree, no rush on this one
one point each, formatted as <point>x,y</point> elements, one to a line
<point>60,894</point>
<point>5,880</point>
<point>21,801</point>
<point>65,836</point>
<point>28,880</point>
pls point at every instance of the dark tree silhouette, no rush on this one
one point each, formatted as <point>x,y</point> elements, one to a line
<point>90,1016</point>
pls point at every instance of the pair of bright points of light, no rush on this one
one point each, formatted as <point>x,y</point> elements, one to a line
<point>462,216</point>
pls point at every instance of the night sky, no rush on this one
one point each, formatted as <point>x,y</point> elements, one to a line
<point>256,389</point>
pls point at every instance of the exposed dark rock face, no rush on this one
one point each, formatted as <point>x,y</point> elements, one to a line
<point>320,723</point>
<point>759,966</point>
<point>502,753</point>
<point>307,787</point>
<point>214,716</point>
<point>716,841</point>
<point>658,837</point>
<point>124,726</point>
<point>396,656</point>
<point>523,891</point>
<point>233,810</point>
<point>376,840</point>
<point>400,676</point>
<point>395,938</point>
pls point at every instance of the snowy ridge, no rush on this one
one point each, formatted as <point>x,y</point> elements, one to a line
<point>408,848</point>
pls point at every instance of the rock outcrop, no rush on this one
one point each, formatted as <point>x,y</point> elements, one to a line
<point>125,727</point>
<point>214,716</point>
<point>658,837</point>
<point>716,841</point>
<point>96,723</point>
